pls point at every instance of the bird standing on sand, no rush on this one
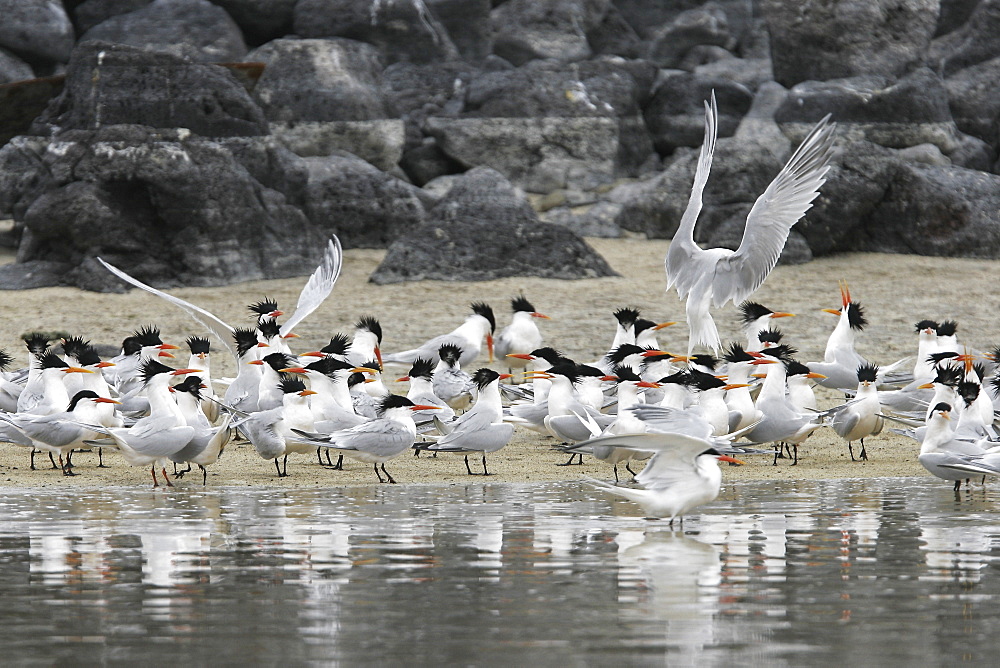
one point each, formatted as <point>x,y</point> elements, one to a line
<point>709,278</point>
<point>468,337</point>
<point>521,336</point>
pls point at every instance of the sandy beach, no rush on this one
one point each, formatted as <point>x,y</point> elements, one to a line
<point>896,291</point>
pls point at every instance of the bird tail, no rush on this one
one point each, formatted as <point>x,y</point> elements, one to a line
<point>703,332</point>
<point>401,358</point>
<point>630,493</point>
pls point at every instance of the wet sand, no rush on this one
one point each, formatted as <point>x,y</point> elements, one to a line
<point>896,291</point>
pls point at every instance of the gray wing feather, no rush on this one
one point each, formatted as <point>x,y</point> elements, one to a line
<point>319,285</point>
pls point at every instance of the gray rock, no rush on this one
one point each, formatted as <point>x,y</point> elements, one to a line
<point>468,25</point>
<point>403,30</point>
<point>598,220</point>
<point>363,206</point>
<point>88,14</point>
<point>30,275</point>
<point>13,68</point>
<point>706,25</point>
<point>751,73</point>
<point>820,40</point>
<point>953,14</point>
<point>260,20</point>
<point>101,86</point>
<point>319,80</point>
<point>169,211</point>
<point>924,154</point>
<point>378,142</point>
<point>36,29</point>
<point>675,115</point>
<point>427,162</point>
<point>614,36</point>
<point>978,39</point>
<point>974,99</point>
<point>538,154</point>
<point>646,18</point>
<point>182,27</point>
<point>527,29</point>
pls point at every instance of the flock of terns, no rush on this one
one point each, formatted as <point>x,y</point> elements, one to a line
<point>681,414</point>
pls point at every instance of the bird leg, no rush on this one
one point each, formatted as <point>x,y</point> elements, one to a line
<point>850,448</point>
<point>467,467</point>
<point>284,467</point>
<point>65,467</point>
<point>615,469</point>
<point>375,465</point>
<point>575,454</point>
<point>485,472</point>
<point>33,451</point>
<point>319,455</point>
<point>629,469</point>
<point>958,485</point>
<point>796,445</point>
<point>328,461</point>
<point>69,459</point>
<point>387,474</point>
<point>864,455</point>
<point>777,453</point>
<point>204,475</point>
<point>152,470</point>
<point>100,459</point>
<point>165,478</point>
<point>180,474</point>
<point>52,459</point>
<point>339,466</point>
<point>278,467</point>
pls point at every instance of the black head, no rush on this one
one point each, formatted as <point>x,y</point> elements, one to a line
<point>279,361</point>
<point>73,345</point>
<point>338,345</point>
<point>704,381</point>
<point>783,352</point>
<point>750,311</point>
<point>770,336</point>
<point>483,309</point>
<point>678,378</point>
<point>947,328</point>
<point>980,370</point>
<point>450,354</point>
<point>5,360</point>
<point>80,396</point>
<point>198,345</point>
<point>52,361</point>
<point>422,368</point>
<point>735,353</point>
<point>626,316</point>
<point>131,346</point>
<point>794,368</point>
<point>550,355</point>
<point>625,373</point>
<point>371,324</point>
<point>291,385</point>
<point>641,325</point>
<point>392,401</point>
<point>968,391</point>
<point>191,385</point>
<point>329,365</point>
<point>867,373</point>
<point>37,343</point>
<point>618,355</point>
<point>483,377</point>
<point>87,356</point>
<point>148,336</point>
<point>263,307</point>
<point>372,364</point>
<point>944,356</point>
<point>269,328</point>
<point>856,316</point>
<point>941,407</point>
<point>567,370</point>
<point>151,368</point>
<point>948,375</point>
<point>521,303</point>
<point>356,378</point>
<point>583,370</point>
<point>706,361</point>
<point>245,339</point>
<point>926,324</point>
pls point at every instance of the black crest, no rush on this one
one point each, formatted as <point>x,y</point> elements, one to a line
<point>422,368</point>
<point>291,385</point>
<point>5,360</point>
<point>735,352</point>
<point>678,378</point>
<point>705,360</point>
<point>926,324</point>
<point>794,368</point>
<point>198,344</point>
<point>73,345</point>
<point>263,307</point>
<point>329,365</point>
<point>771,335</point>
<point>567,370</point>
<point>357,378</point>
<point>131,346</point>
<point>245,339</point>
<point>587,370</point>
<point>521,303</point>
<point>152,368</point>
<point>704,381</point>
<point>949,375</point>
<point>856,316</point>
<point>968,391</point>
<point>483,377</point>
<point>87,356</point>
<point>867,373</point>
<point>626,373</point>
<point>37,343</point>
<point>269,328</point>
<point>370,323</point>
<point>279,361</point>
<point>550,355</point>
<point>947,328</point>
<point>941,406</point>
<point>339,343</point>
<point>626,316</point>
<point>148,335</point>
<point>80,396</point>
<point>641,325</point>
<point>450,353</point>
<point>750,311</point>
<point>191,385</point>
<point>618,355</point>
<point>392,401</point>
<point>483,309</point>
<point>52,361</point>
<point>784,352</point>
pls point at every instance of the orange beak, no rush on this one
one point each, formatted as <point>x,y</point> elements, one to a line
<point>646,383</point>
<point>306,393</point>
<point>536,314</point>
<point>763,360</point>
<point>167,346</point>
<point>734,386</point>
<point>655,353</point>
<point>403,379</point>
<point>505,376</point>
<point>294,369</point>
<point>664,324</point>
<point>164,353</point>
<point>424,407</point>
<point>256,362</point>
<point>926,386</point>
<point>813,374</point>
<point>731,460</point>
<point>833,311</point>
<point>378,356</point>
<point>105,400</point>
<point>290,335</point>
<point>181,372</point>
<point>104,365</point>
<point>77,369</point>
<point>363,369</point>
<point>845,293</point>
<point>489,346</point>
<point>782,314</point>
<point>609,377</point>
<point>522,356</point>
<point>315,353</point>
<point>275,314</point>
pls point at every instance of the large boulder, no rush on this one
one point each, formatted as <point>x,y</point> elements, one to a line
<point>482,230</point>
<point>978,39</point>
<point>823,39</point>
<point>13,68</point>
<point>169,208</point>
<point>468,25</point>
<point>528,29</point>
<point>974,99</point>
<point>260,20</point>
<point>362,205</point>
<point>695,27</point>
<point>90,13</point>
<point>36,29</point>
<point>401,29</point>
<point>109,84</point>
<point>194,28</point>
<point>675,115</point>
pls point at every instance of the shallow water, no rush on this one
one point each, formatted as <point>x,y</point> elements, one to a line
<point>833,572</point>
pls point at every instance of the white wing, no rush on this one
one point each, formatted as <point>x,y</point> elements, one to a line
<point>319,285</point>
<point>222,331</point>
<point>681,271</point>
<point>785,201</point>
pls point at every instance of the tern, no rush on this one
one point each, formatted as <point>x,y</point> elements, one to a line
<point>860,417</point>
<point>208,442</point>
<point>756,319</point>
<point>521,336</point>
<point>468,337</point>
<point>421,391</point>
<point>710,278</point>
<point>449,382</point>
<point>275,432</point>
<point>366,343</point>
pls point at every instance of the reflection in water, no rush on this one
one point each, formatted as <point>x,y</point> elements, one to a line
<point>843,571</point>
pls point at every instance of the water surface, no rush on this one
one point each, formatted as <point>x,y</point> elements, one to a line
<point>835,572</point>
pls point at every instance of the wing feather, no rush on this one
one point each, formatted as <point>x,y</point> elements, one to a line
<point>783,204</point>
<point>319,285</point>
